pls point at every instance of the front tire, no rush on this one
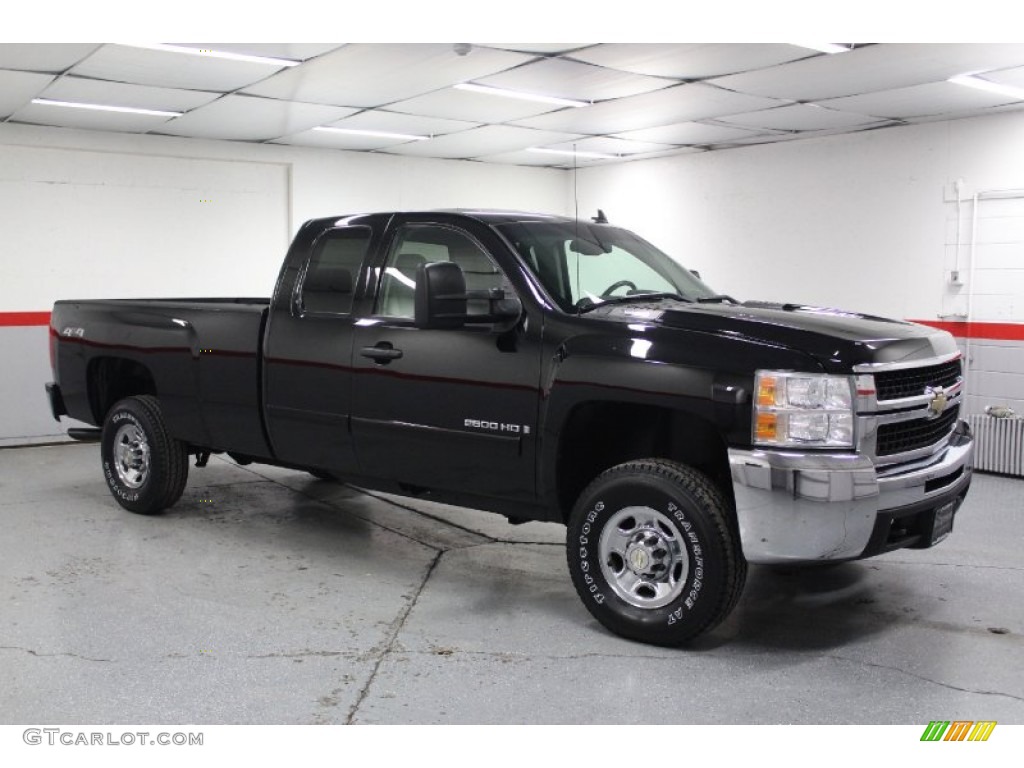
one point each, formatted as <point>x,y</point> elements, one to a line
<point>652,553</point>
<point>145,468</point>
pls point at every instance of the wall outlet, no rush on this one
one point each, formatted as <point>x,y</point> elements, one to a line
<point>955,277</point>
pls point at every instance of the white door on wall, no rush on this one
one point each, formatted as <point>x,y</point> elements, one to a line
<point>995,299</point>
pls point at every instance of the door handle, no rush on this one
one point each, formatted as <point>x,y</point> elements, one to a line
<point>383,352</point>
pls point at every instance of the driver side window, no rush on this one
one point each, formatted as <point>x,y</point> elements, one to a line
<point>418,244</point>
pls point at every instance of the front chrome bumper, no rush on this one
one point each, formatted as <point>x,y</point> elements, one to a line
<point>809,507</point>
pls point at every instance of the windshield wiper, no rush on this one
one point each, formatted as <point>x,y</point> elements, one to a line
<point>629,299</point>
<point>717,299</point>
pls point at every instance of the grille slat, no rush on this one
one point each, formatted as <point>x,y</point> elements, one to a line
<point>911,382</point>
<point>903,436</point>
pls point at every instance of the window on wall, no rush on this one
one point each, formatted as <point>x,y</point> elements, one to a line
<point>427,243</point>
<point>333,270</point>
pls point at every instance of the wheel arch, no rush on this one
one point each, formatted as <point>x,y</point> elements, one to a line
<point>111,379</point>
<point>598,435</point>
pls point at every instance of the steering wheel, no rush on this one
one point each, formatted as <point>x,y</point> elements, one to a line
<point>615,286</point>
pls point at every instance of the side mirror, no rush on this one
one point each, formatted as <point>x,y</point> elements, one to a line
<point>440,298</point>
<point>442,301</point>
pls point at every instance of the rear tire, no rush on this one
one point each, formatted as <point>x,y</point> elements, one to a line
<point>652,553</point>
<point>145,468</point>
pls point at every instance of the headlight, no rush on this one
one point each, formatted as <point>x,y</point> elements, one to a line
<point>803,410</point>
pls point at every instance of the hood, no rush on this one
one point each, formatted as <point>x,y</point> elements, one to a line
<point>838,339</point>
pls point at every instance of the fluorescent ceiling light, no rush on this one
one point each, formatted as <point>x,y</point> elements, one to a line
<point>105,108</point>
<point>380,134</point>
<point>826,47</point>
<point>209,53</point>
<point>520,95</point>
<point>972,81</point>
<point>571,153</point>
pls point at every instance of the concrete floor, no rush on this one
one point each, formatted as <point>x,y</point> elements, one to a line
<point>266,596</point>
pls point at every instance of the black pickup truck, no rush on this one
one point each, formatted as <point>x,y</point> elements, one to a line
<point>542,368</point>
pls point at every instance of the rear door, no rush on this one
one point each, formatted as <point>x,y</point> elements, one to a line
<point>446,409</point>
<point>308,351</point>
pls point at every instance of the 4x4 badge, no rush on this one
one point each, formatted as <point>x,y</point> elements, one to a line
<point>938,401</point>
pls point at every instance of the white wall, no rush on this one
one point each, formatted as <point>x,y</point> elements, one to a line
<point>203,209</point>
<point>865,222</point>
<point>862,221</point>
<point>92,215</point>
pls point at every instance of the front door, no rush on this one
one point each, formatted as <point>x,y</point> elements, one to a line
<point>452,410</point>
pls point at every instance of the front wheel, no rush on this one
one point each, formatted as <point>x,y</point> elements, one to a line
<point>652,553</point>
<point>145,468</point>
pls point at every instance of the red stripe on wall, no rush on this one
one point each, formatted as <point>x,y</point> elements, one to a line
<point>24,318</point>
<point>991,331</point>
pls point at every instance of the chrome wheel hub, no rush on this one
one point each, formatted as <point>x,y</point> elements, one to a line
<point>131,455</point>
<point>643,558</point>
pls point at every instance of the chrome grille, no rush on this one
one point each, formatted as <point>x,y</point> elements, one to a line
<point>904,436</point>
<point>911,382</point>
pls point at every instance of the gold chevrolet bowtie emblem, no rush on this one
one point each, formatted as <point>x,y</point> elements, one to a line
<point>938,401</point>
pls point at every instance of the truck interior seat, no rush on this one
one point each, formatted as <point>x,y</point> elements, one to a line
<point>398,290</point>
<point>328,289</point>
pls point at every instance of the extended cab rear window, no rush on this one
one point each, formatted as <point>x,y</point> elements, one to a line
<point>333,269</point>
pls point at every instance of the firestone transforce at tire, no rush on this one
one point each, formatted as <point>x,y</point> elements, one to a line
<point>652,553</point>
<point>145,468</point>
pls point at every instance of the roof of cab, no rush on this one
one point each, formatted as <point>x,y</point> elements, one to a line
<point>484,215</point>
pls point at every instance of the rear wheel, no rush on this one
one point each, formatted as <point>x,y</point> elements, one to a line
<point>652,553</point>
<point>145,468</point>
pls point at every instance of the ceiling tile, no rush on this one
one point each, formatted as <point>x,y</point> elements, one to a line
<point>83,90</point>
<point>247,118</point>
<point>488,140</point>
<point>1014,107</point>
<point>294,51</point>
<point>64,117</point>
<point>687,133</point>
<point>332,140</point>
<point>691,61</point>
<point>525,157</point>
<point>393,122</point>
<point>918,101</point>
<point>43,57</point>
<point>609,146</point>
<point>1013,76</point>
<point>651,110</point>
<point>872,68</point>
<point>471,106</point>
<point>573,80</point>
<point>19,88</point>
<point>543,48</point>
<point>170,70</point>
<point>669,153</point>
<point>364,75</point>
<point>799,117</point>
<point>793,136</point>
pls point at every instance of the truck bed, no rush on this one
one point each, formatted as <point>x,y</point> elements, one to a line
<point>202,357</point>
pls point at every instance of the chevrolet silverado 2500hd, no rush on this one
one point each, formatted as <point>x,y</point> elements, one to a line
<point>545,369</point>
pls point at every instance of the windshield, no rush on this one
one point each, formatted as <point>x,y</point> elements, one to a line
<point>583,265</point>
